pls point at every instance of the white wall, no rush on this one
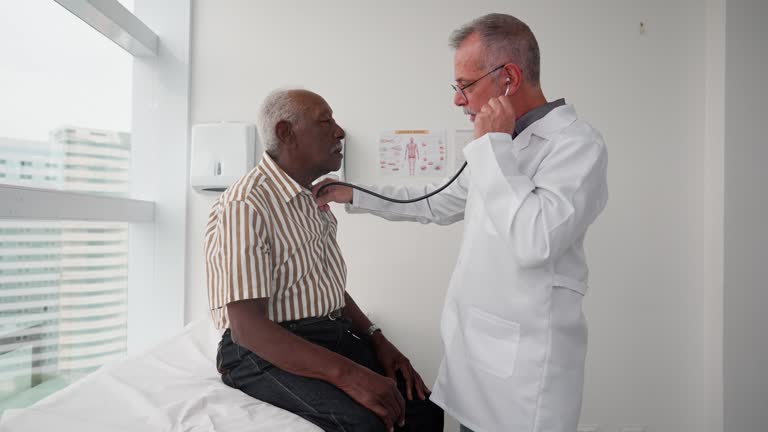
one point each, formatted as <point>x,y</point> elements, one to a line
<point>746,350</point>
<point>654,299</point>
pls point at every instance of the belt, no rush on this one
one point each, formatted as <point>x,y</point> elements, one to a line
<point>312,320</point>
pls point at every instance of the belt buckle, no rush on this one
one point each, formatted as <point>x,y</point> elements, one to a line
<point>334,315</point>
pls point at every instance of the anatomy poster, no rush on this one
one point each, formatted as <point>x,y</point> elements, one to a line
<point>461,138</point>
<point>412,153</point>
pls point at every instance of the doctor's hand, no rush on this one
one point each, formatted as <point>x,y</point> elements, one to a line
<point>339,194</point>
<point>392,360</point>
<point>498,115</point>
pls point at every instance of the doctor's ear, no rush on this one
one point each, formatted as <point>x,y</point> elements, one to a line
<point>514,77</point>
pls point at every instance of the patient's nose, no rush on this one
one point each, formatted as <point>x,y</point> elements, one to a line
<point>339,132</point>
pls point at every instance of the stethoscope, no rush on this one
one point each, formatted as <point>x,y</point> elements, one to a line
<point>402,201</point>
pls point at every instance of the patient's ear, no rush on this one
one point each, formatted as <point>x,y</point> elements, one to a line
<point>284,131</point>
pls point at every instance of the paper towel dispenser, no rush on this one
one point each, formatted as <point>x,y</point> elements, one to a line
<point>222,153</point>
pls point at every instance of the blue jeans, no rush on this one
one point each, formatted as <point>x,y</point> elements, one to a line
<point>314,400</point>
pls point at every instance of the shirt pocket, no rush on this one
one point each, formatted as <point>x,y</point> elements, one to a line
<point>492,342</point>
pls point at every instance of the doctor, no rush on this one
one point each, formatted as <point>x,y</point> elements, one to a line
<point>514,333</point>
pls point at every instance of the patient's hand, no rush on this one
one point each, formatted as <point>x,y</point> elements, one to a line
<point>375,392</point>
<point>339,194</point>
<point>393,360</point>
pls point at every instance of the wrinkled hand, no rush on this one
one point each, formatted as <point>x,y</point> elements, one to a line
<point>393,360</point>
<point>498,115</point>
<point>377,393</point>
<point>339,194</point>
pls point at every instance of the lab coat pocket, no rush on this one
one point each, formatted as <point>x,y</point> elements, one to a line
<point>492,342</point>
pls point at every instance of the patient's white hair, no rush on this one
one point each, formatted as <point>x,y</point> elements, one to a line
<point>280,105</point>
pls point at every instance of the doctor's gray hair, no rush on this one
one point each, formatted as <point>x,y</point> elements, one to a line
<point>280,105</point>
<point>507,39</point>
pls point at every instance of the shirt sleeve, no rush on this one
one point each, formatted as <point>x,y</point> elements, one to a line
<point>247,258</point>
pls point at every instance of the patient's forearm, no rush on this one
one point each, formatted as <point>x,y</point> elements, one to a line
<point>253,330</point>
<point>360,322</point>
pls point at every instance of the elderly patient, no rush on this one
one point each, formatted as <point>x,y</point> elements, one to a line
<point>276,282</point>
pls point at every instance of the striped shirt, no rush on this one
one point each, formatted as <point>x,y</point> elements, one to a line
<point>266,238</point>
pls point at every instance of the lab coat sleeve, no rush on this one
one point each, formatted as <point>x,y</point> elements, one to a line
<point>444,208</point>
<point>540,217</point>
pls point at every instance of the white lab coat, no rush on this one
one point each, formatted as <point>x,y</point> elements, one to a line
<point>514,334</point>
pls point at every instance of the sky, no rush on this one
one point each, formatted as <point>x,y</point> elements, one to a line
<point>56,70</point>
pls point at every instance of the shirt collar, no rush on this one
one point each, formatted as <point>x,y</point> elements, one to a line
<point>535,115</point>
<point>286,186</point>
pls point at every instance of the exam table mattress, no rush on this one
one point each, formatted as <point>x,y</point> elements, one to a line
<point>171,387</point>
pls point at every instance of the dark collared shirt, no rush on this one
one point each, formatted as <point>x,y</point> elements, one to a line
<point>535,115</point>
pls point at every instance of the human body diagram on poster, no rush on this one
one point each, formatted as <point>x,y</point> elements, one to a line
<point>412,153</point>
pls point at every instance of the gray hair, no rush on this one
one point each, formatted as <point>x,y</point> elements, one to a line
<point>507,39</point>
<point>280,105</point>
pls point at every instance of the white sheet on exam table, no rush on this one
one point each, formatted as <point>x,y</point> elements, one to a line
<point>172,387</point>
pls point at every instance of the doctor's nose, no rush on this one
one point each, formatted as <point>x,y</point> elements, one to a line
<point>458,98</point>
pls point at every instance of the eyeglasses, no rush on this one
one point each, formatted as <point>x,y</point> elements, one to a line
<point>460,90</point>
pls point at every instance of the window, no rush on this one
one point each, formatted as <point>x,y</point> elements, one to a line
<point>63,288</point>
<point>71,228</point>
<point>57,71</point>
